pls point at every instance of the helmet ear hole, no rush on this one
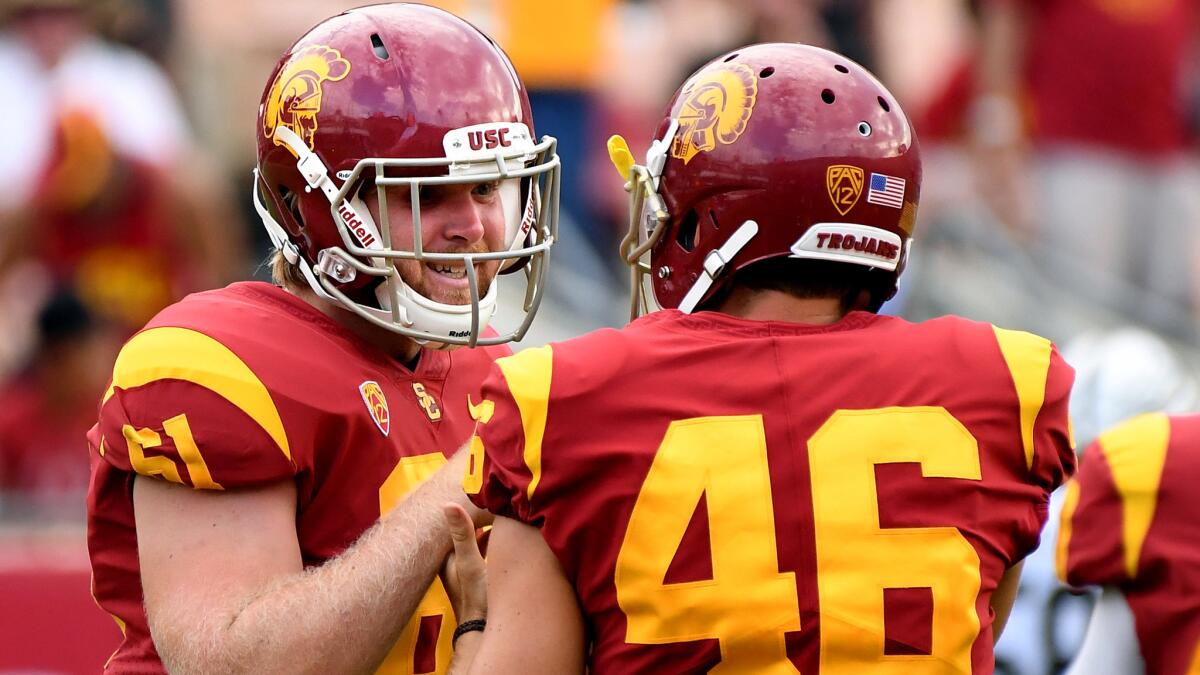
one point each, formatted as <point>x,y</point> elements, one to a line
<point>686,237</point>
<point>291,201</point>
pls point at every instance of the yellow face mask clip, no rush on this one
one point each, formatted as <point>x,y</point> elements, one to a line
<point>644,206</point>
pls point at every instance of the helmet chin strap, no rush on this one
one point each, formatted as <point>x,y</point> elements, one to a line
<point>279,239</point>
<point>315,173</point>
<point>715,263</point>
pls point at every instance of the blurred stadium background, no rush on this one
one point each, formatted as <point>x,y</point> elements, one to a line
<point>1061,196</point>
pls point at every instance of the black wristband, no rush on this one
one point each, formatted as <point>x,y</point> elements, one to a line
<point>466,627</point>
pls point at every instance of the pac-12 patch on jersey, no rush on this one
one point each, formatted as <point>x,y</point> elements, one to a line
<point>372,395</point>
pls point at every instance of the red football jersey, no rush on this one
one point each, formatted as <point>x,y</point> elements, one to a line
<point>1131,519</point>
<point>769,497</point>
<point>250,385</point>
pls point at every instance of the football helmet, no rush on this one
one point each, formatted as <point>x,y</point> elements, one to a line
<point>412,96</point>
<point>771,150</point>
<point>1125,372</point>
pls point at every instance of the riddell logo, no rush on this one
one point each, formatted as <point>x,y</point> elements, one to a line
<point>864,244</point>
<point>356,226</point>
<point>489,139</point>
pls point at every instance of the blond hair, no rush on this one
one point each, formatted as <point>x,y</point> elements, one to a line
<point>286,274</point>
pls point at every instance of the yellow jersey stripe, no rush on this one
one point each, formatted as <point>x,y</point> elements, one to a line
<point>1070,502</point>
<point>1028,359</point>
<point>171,353</point>
<point>528,377</point>
<point>1136,451</point>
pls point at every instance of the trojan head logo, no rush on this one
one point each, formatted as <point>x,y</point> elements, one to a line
<point>427,401</point>
<point>845,184</point>
<point>372,395</point>
<point>295,97</point>
<point>716,107</point>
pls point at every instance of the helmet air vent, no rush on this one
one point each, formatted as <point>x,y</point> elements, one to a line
<point>377,45</point>
<point>767,72</point>
<point>884,104</point>
<point>841,69</point>
<point>731,57</point>
<point>827,96</point>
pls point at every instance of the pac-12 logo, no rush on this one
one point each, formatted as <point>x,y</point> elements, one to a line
<point>715,108</point>
<point>845,184</point>
<point>372,395</point>
<point>296,93</point>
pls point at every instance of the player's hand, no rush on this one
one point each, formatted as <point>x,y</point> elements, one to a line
<point>464,574</point>
<point>455,468</point>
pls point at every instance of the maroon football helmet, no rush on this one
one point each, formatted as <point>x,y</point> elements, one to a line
<point>772,150</point>
<point>400,95</point>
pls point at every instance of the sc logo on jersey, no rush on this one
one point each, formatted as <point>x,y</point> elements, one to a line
<point>427,402</point>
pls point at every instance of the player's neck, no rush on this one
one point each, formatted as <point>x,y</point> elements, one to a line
<point>766,305</point>
<point>399,347</point>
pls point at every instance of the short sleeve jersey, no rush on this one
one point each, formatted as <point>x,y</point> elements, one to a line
<point>1131,519</point>
<point>772,498</point>
<point>247,386</point>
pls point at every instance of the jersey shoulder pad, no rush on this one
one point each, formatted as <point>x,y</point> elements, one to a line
<point>1109,507</point>
<point>1041,381</point>
<point>505,467</point>
<point>184,406</point>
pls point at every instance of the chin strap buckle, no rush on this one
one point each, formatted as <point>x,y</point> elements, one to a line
<point>335,267</point>
<point>714,264</point>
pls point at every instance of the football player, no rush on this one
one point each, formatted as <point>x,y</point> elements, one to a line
<point>1119,373</point>
<point>766,476</point>
<point>1129,524</point>
<point>255,439</point>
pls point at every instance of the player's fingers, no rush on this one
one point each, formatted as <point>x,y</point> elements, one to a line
<point>462,532</point>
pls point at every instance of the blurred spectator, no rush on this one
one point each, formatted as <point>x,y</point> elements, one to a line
<point>145,25</point>
<point>110,194</point>
<point>46,410</point>
<point>1080,124</point>
<point>106,199</point>
<point>52,60</point>
<point>103,224</point>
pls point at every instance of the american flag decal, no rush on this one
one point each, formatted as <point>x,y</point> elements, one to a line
<point>886,190</point>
